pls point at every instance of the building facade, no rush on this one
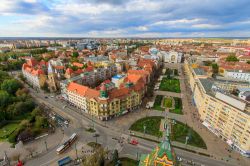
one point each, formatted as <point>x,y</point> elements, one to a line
<point>223,114</point>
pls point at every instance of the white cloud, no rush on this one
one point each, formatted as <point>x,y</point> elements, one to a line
<point>179,21</point>
<point>206,26</point>
<point>142,28</point>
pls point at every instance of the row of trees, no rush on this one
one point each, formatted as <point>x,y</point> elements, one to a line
<point>30,127</point>
<point>14,99</point>
<point>17,105</point>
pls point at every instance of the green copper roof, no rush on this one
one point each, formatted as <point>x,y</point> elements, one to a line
<point>165,148</point>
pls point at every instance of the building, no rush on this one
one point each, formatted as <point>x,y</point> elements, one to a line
<point>118,80</point>
<point>224,114</point>
<point>172,57</point>
<point>103,103</point>
<point>52,79</point>
<point>162,155</point>
<point>34,73</point>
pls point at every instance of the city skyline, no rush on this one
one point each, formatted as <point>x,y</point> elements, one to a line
<point>116,18</point>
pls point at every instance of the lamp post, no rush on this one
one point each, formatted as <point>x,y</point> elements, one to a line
<point>46,146</point>
<point>76,152</point>
<point>144,128</point>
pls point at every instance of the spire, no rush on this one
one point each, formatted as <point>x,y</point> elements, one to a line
<point>103,92</point>
<point>50,68</point>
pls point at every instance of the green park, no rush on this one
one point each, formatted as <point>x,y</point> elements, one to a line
<point>170,84</point>
<point>173,103</point>
<point>179,131</point>
<point>19,115</point>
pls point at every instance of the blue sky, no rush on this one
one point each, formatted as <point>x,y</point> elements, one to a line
<point>125,18</point>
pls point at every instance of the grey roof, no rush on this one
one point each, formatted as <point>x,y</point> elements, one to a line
<point>199,71</point>
<point>207,84</point>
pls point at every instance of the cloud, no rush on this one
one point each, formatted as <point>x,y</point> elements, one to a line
<point>161,18</point>
<point>8,7</point>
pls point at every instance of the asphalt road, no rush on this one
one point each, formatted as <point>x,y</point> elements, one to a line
<point>78,123</point>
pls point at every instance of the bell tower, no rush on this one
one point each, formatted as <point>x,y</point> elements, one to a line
<point>51,78</point>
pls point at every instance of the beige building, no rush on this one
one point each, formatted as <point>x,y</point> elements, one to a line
<point>225,115</point>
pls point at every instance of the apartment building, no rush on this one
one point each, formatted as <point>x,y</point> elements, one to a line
<point>106,104</point>
<point>33,73</point>
<point>225,115</point>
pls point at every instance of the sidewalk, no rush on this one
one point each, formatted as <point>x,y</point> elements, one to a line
<point>23,151</point>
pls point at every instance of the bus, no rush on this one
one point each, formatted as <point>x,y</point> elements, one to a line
<point>66,144</point>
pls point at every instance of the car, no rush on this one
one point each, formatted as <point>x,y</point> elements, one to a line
<point>133,142</point>
<point>52,96</point>
<point>46,97</point>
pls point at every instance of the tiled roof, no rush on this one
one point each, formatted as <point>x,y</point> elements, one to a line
<point>117,93</point>
<point>32,62</point>
<point>133,78</point>
<point>77,88</point>
<point>77,64</point>
<point>69,71</point>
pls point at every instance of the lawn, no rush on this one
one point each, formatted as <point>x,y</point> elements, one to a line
<point>157,103</point>
<point>167,102</point>
<point>152,125</point>
<point>180,131</point>
<point>128,162</point>
<point>178,106</point>
<point>7,129</point>
<point>171,85</point>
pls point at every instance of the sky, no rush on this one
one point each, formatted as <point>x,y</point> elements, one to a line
<point>124,18</point>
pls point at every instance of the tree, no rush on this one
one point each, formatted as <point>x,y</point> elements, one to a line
<point>3,75</point>
<point>232,58</point>
<point>96,159</point>
<point>215,68</point>
<point>248,62</point>
<point>75,54</point>
<point>11,86</point>
<point>41,122</point>
<point>5,98</point>
<point>115,156</point>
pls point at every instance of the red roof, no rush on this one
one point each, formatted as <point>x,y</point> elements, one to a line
<point>77,88</point>
<point>69,71</point>
<point>32,62</point>
<point>77,64</point>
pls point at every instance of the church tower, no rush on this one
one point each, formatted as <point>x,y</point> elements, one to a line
<point>51,78</point>
<point>103,92</point>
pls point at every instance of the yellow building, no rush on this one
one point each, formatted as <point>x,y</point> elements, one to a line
<point>106,104</point>
<point>225,115</point>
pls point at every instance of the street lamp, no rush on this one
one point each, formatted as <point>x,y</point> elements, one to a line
<point>76,151</point>
<point>144,128</point>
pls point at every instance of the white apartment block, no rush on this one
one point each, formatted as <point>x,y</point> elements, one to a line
<point>78,100</point>
<point>32,79</point>
<point>238,74</point>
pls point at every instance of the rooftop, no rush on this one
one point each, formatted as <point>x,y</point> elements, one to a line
<point>199,71</point>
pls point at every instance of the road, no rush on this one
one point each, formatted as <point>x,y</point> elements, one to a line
<point>78,124</point>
